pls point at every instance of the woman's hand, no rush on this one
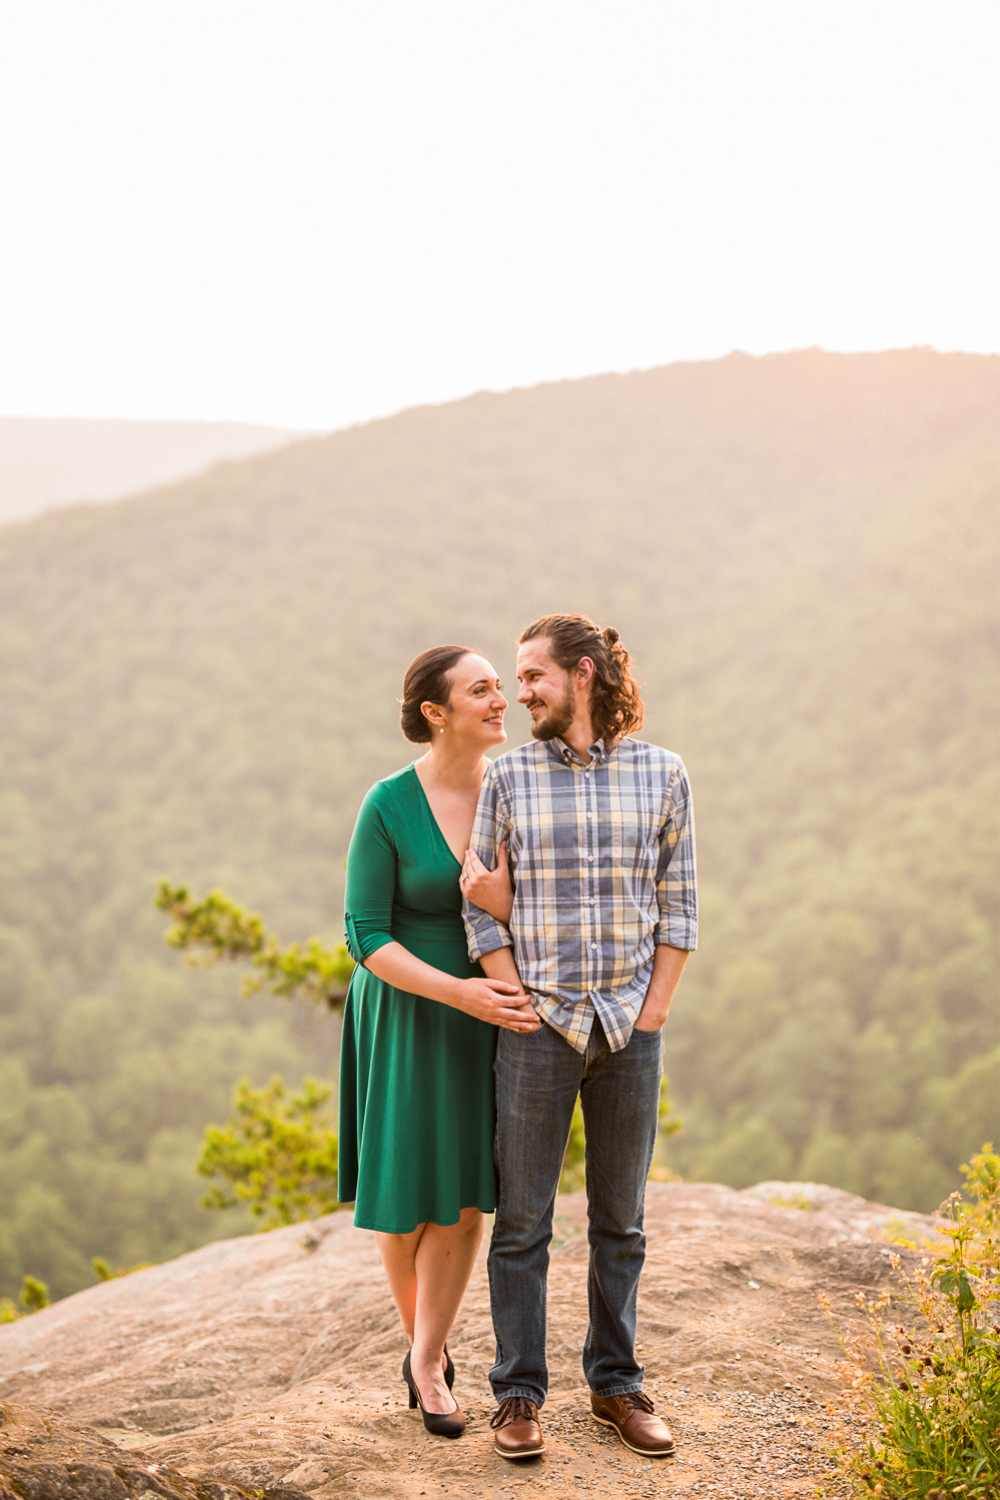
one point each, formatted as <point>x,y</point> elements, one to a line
<point>499,1003</point>
<point>490,890</point>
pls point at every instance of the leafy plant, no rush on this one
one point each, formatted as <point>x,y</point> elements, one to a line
<point>278,1154</point>
<point>215,928</point>
<point>926,1395</point>
<point>793,1200</point>
<point>669,1125</point>
<point>34,1296</point>
<point>105,1272</point>
<point>574,1167</point>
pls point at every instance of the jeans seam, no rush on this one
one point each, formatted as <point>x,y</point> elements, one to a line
<point>619,1390</point>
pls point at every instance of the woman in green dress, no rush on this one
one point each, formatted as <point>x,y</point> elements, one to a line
<point>416,1071</point>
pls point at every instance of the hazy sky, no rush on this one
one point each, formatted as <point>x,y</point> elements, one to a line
<point>312,212</point>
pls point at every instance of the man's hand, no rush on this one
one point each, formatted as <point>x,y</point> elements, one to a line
<point>668,966</point>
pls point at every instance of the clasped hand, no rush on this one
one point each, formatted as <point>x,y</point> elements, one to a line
<point>490,890</point>
<point>499,1003</point>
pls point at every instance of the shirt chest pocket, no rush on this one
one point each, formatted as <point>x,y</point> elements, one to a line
<point>631,837</point>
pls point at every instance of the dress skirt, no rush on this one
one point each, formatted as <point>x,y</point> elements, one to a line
<point>417,1115</point>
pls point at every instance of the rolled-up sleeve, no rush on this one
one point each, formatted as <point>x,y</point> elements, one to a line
<point>371,878</point>
<point>676,871</point>
<point>491,827</point>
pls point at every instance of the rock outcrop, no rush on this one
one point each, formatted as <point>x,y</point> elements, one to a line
<point>271,1363</point>
<point>40,1460</point>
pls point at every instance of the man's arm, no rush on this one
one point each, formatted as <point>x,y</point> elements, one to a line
<point>676,871</point>
<point>490,828</point>
<point>677,896</point>
<point>500,965</point>
<point>668,966</point>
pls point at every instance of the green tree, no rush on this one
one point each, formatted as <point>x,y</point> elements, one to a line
<point>216,928</point>
<point>750,1152</point>
<point>277,1154</point>
<point>34,1296</point>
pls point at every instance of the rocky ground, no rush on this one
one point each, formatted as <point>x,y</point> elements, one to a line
<point>43,1460</point>
<point>272,1363</point>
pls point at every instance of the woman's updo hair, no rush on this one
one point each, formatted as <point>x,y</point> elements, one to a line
<point>428,680</point>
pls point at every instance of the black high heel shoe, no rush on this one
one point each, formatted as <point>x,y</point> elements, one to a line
<point>449,1369</point>
<point>443,1424</point>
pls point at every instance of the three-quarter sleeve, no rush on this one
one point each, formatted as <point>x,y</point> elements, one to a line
<point>371,877</point>
<point>491,827</point>
<point>676,872</point>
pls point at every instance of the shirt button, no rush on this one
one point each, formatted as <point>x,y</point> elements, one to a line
<point>590,815</point>
<point>591,858</point>
<point>594,946</point>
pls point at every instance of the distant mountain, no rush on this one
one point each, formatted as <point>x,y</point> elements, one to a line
<point>801,551</point>
<point>47,462</point>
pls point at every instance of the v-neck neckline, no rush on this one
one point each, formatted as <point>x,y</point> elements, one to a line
<point>430,811</point>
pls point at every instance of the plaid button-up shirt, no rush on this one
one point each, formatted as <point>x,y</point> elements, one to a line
<point>603,861</point>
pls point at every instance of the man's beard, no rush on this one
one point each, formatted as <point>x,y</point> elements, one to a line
<point>555,722</point>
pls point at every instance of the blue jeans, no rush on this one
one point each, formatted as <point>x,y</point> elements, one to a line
<point>538,1077</point>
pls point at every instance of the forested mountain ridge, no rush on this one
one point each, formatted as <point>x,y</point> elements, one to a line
<point>51,461</point>
<point>201,682</point>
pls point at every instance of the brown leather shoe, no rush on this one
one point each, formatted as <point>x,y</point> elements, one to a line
<point>517,1432</point>
<point>636,1423</point>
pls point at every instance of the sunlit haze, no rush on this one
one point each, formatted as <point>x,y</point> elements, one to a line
<point>311,213</point>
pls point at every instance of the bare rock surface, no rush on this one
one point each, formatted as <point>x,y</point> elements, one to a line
<point>42,1461</point>
<point>273,1362</point>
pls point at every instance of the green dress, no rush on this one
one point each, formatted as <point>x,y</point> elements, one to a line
<point>417,1114</point>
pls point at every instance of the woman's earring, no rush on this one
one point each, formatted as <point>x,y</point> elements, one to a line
<point>442,729</point>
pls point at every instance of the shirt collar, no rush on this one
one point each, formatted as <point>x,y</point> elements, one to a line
<point>598,751</point>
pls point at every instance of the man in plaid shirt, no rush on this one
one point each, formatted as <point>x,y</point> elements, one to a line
<point>599,833</point>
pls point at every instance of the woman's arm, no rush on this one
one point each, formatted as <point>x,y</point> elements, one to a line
<point>371,886</point>
<point>487,921</point>
<point>486,999</point>
<point>490,890</point>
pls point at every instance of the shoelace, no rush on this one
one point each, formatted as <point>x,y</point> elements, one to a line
<point>638,1400</point>
<point>510,1409</point>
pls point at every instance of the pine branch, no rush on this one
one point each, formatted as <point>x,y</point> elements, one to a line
<point>216,929</point>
